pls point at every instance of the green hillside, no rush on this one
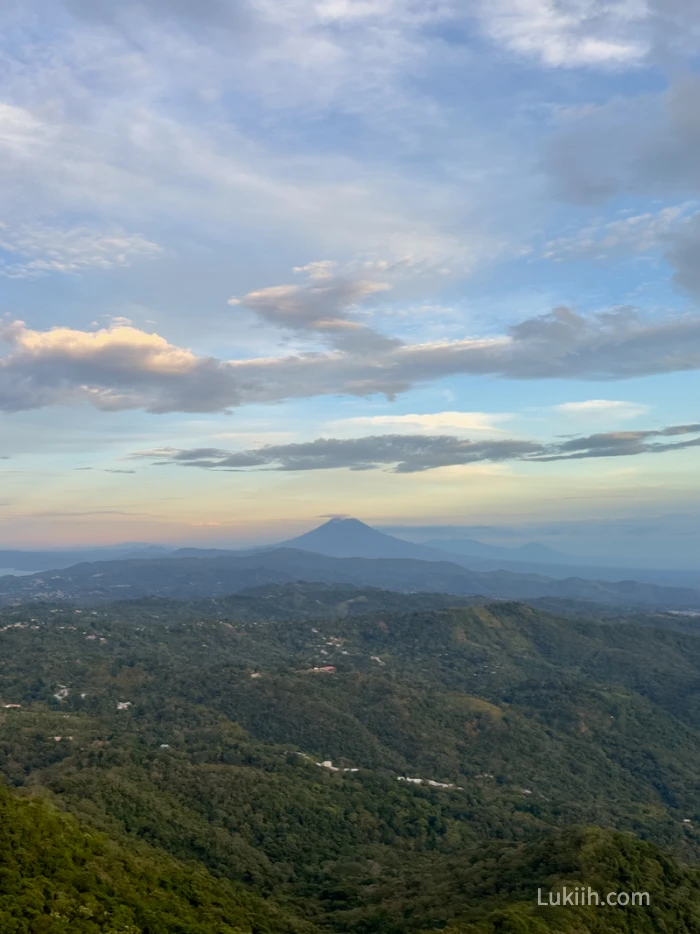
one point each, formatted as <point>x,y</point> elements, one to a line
<point>57,877</point>
<point>199,731</point>
<point>500,890</point>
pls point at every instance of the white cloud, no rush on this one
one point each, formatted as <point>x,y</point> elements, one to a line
<point>640,233</point>
<point>435,421</point>
<point>308,54</point>
<point>202,118</point>
<point>602,408</point>
<point>320,269</point>
<point>569,33</point>
<point>601,34</point>
<point>139,165</point>
<point>45,249</point>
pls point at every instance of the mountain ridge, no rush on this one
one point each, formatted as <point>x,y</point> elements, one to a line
<point>185,578</point>
<point>349,537</point>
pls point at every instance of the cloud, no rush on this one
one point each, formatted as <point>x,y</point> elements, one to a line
<point>406,453</point>
<point>112,368</point>
<point>199,122</point>
<point>642,145</point>
<point>322,308</point>
<point>137,164</point>
<point>320,269</point>
<point>602,407</point>
<point>144,113</point>
<point>122,367</point>
<point>560,344</point>
<point>46,249</point>
<point>608,35</point>
<point>465,421</point>
<point>337,35</point>
<point>216,13</point>
<point>418,453</point>
<point>640,233</point>
<point>565,344</point>
<point>310,54</point>
<point>569,33</point>
<point>647,146</point>
<point>623,443</point>
<point>684,256</point>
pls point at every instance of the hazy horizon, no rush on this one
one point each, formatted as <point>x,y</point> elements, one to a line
<point>570,542</point>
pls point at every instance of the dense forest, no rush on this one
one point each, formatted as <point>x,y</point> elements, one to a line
<point>317,758</point>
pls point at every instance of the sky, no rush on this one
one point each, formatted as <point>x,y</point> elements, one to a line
<point>423,262</point>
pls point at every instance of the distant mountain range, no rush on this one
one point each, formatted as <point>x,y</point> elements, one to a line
<point>532,551</point>
<point>347,538</point>
<point>338,538</point>
<point>350,538</point>
<point>203,577</point>
<point>17,560</point>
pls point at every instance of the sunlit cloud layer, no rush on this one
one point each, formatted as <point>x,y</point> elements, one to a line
<point>122,367</point>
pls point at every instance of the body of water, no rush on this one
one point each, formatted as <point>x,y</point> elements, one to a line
<point>15,572</point>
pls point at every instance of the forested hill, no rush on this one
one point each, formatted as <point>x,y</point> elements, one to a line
<point>58,877</point>
<point>377,772</point>
<point>190,578</point>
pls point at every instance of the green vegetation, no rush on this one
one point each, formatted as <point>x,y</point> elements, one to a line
<point>56,877</point>
<point>497,892</point>
<point>184,738</point>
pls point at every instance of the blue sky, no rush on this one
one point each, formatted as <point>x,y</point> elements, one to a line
<point>420,262</point>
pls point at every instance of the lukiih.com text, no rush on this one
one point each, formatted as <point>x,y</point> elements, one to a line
<point>579,895</point>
